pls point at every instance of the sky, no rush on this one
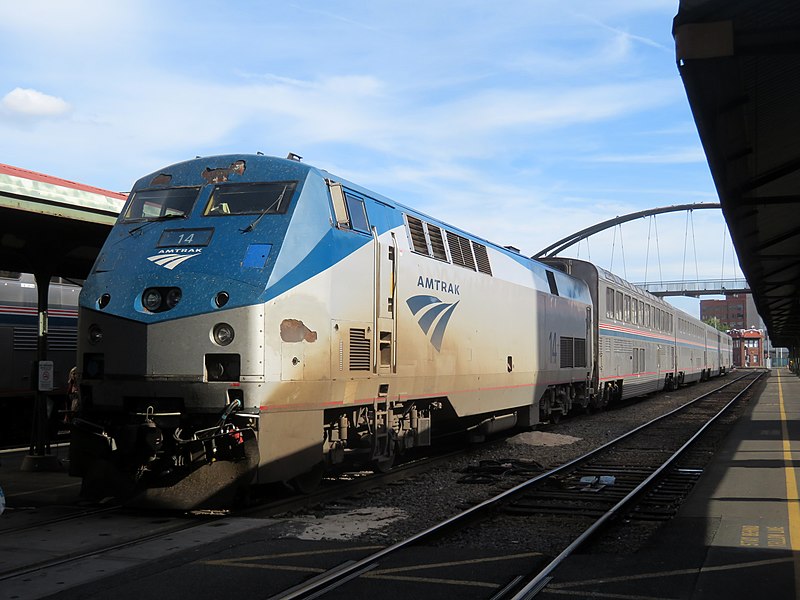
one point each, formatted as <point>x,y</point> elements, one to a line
<point>519,121</point>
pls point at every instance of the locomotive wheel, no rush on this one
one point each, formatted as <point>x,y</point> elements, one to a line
<point>308,481</point>
<point>385,465</point>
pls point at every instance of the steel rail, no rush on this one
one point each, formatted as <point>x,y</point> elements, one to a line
<point>339,575</point>
<point>200,518</point>
<point>537,583</point>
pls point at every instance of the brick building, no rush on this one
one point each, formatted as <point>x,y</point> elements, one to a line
<point>736,311</point>
<point>748,347</point>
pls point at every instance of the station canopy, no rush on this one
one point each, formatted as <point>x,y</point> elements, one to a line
<point>50,225</point>
<point>740,65</point>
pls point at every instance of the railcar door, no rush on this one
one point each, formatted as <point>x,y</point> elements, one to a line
<point>385,292</point>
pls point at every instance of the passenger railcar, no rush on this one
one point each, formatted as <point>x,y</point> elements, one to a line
<point>19,330</point>
<point>254,319</point>
<point>644,344</point>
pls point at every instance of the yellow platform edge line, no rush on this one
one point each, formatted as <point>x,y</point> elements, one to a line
<point>791,490</point>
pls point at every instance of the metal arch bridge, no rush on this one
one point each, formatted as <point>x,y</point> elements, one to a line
<point>657,288</point>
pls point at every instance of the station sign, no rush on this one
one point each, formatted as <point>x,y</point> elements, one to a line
<point>46,372</point>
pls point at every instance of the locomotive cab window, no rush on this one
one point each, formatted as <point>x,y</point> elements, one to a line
<point>358,213</point>
<point>150,205</point>
<point>250,198</point>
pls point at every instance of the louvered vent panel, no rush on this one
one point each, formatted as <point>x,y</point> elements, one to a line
<point>62,338</point>
<point>482,257</point>
<point>567,349</point>
<point>417,235</point>
<point>437,242</point>
<point>466,251</point>
<point>580,352</point>
<point>359,350</point>
<point>460,250</point>
<point>58,338</point>
<point>25,338</point>
<point>455,249</point>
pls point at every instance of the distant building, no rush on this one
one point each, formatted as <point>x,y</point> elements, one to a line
<point>736,311</point>
<point>748,347</point>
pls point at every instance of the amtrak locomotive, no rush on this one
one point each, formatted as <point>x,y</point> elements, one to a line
<point>254,319</point>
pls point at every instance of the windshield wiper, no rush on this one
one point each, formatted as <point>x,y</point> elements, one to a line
<point>260,216</point>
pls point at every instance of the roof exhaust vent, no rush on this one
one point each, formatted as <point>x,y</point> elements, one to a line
<point>293,156</point>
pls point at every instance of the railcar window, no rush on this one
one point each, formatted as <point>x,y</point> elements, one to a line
<point>10,275</point>
<point>250,198</point>
<point>627,309</point>
<point>610,303</point>
<point>147,205</point>
<point>618,306</point>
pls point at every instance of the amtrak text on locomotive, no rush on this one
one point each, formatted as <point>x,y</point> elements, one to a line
<point>438,285</point>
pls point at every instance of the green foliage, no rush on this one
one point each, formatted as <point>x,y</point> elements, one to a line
<point>715,322</point>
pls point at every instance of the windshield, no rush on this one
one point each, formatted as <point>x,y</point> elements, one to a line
<point>150,205</point>
<point>250,198</point>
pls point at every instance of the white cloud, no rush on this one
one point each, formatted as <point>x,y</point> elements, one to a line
<point>678,156</point>
<point>34,103</point>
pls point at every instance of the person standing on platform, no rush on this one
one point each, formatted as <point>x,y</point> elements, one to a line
<point>73,393</point>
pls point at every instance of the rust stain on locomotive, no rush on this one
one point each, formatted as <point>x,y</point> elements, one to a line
<point>219,175</point>
<point>162,179</point>
<point>293,330</point>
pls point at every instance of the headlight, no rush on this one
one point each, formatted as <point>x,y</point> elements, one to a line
<point>223,334</point>
<point>151,299</point>
<point>221,299</point>
<point>173,297</point>
<point>104,300</point>
<point>95,334</point>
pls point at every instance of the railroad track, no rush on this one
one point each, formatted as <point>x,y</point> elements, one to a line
<point>639,472</point>
<point>100,531</point>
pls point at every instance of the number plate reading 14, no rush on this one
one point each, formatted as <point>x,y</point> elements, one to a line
<point>185,237</point>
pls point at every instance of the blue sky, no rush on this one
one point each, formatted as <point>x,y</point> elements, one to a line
<point>520,121</point>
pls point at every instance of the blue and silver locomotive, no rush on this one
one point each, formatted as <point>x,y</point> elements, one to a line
<point>253,319</point>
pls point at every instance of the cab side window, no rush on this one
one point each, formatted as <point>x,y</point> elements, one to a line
<point>358,213</point>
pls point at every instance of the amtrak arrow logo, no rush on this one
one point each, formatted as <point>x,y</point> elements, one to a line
<point>432,310</point>
<point>170,260</point>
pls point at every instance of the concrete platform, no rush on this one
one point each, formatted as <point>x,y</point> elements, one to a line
<point>24,488</point>
<point>738,533</point>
